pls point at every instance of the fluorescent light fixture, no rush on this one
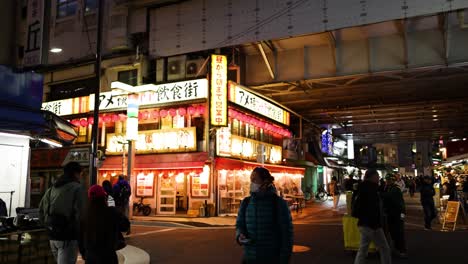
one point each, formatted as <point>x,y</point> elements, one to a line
<point>15,135</point>
<point>51,142</point>
<point>55,50</point>
<point>434,116</point>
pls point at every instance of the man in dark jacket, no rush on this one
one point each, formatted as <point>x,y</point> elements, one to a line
<point>60,211</point>
<point>427,202</point>
<point>264,225</point>
<point>395,210</point>
<point>368,209</point>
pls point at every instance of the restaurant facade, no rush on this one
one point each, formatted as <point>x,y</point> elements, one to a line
<point>197,142</point>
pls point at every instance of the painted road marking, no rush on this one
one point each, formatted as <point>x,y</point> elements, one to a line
<point>151,232</point>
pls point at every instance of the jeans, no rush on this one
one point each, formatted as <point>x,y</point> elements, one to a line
<point>378,237</point>
<point>65,252</point>
<point>429,213</point>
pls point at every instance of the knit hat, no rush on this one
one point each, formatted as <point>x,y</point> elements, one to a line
<point>96,191</point>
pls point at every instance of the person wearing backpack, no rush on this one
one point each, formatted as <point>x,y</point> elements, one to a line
<point>60,210</point>
<point>264,224</point>
<point>122,193</point>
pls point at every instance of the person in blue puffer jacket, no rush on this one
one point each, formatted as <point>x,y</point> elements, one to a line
<point>264,224</point>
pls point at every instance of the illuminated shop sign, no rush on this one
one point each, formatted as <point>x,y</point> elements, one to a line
<point>156,141</point>
<point>246,99</point>
<point>155,94</point>
<point>247,149</point>
<point>145,185</point>
<point>219,105</point>
<point>70,106</point>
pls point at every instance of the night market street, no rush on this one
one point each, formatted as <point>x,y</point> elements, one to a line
<point>318,239</point>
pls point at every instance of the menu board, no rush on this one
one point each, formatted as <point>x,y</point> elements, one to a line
<point>199,188</point>
<point>145,185</point>
<point>452,212</point>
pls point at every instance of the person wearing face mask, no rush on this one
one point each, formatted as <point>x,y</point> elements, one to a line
<point>264,224</point>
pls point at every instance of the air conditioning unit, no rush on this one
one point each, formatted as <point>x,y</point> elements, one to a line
<point>176,68</point>
<point>160,67</point>
<point>192,67</point>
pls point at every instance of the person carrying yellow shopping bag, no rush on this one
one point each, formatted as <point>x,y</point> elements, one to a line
<point>367,208</point>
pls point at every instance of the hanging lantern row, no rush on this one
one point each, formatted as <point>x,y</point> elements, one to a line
<point>142,115</point>
<point>259,123</point>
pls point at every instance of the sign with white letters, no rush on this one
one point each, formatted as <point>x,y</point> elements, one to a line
<point>256,104</point>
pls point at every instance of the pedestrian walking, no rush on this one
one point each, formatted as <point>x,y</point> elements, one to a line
<point>368,209</point>
<point>264,225</point>
<point>122,193</point>
<point>395,210</point>
<point>427,202</point>
<point>450,188</point>
<point>412,186</point>
<point>400,182</point>
<point>60,210</point>
<point>335,191</point>
<point>102,229</point>
<point>107,186</point>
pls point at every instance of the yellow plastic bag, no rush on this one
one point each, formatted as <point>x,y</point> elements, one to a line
<point>351,234</point>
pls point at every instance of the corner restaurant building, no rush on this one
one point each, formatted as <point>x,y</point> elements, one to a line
<point>179,165</point>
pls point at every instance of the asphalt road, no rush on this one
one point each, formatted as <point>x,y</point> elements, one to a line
<point>320,243</point>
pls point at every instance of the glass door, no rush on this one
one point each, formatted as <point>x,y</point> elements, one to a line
<point>167,194</point>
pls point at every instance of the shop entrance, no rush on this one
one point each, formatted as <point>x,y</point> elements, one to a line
<point>167,194</point>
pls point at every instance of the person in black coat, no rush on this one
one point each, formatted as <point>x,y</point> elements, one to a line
<point>102,227</point>
<point>427,202</point>
<point>369,210</point>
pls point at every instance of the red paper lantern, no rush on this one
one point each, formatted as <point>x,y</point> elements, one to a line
<point>191,110</point>
<point>230,113</point>
<point>75,122</point>
<point>182,111</point>
<point>100,120</point>
<point>122,117</point>
<point>145,115</point>
<point>115,118</point>
<point>172,112</point>
<point>83,122</point>
<point>163,113</point>
<point>91,120</point>
<point>201,110</point>
<point>155,114</point>
<point>107,118</point>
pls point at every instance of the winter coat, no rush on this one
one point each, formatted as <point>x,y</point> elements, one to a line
<point>393,202</point>
<point>427,193</point>
<point>65,198</point>
<point>271,236</point>
<point>367,206</point>
<point>104,249</point>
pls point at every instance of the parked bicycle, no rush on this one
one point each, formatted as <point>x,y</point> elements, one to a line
<point>140,207</point>
<point>322,195</point>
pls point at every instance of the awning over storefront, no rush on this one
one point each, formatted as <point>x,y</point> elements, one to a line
<point>159,161</point>
<point>227,163</point>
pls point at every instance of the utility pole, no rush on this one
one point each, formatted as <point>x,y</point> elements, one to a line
<point>97,69</point>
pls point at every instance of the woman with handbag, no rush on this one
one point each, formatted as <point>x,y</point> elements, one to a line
<point>102,229</point>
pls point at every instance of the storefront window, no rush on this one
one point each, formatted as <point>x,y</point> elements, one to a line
<point>234,186</point>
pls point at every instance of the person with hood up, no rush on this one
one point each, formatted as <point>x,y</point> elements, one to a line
<point>60,210</point>
<point>264,224</point>
<point>102,227</point>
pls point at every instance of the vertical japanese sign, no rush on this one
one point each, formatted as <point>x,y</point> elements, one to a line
<point>34,33</point>
<point>218,101</point>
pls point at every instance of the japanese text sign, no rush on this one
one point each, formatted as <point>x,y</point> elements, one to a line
<point>219,105</point>
<point>244,98</point>
<point>156,94</point>
<point>65,107</point>
<point>35,25</point>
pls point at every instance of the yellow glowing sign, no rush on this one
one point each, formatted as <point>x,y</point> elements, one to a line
<point>156,141</point>
<point>249,149</point>
<point>219,104</point>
